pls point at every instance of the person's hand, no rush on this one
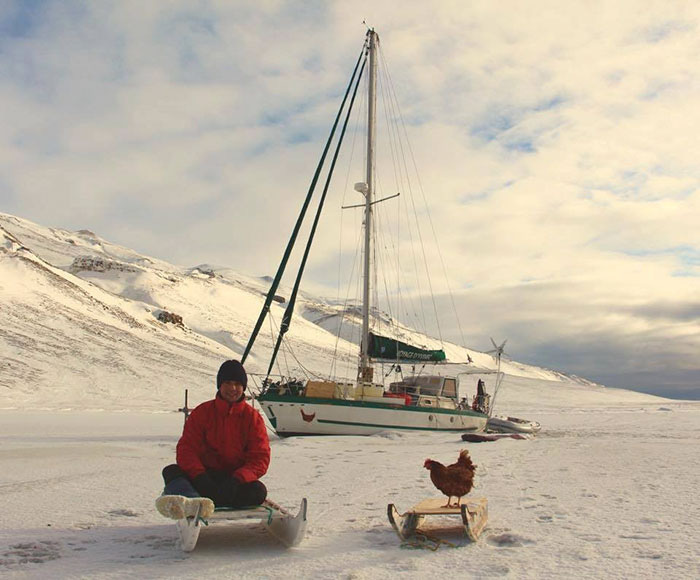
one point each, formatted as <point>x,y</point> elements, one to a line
<point>228,491</point>
<point>206,486</point>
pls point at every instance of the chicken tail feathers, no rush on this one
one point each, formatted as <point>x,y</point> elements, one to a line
<point>465,460</point>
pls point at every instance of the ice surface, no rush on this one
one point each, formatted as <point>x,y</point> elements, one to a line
<point>607,493</point>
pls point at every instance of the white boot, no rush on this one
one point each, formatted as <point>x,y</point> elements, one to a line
<point>179,506</point>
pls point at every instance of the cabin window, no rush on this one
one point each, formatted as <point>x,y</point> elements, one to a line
<point>450,389</point>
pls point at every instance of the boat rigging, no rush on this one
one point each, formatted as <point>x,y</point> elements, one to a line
<point>363,405</point>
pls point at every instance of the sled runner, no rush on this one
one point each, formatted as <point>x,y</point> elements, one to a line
<point>474,514</point>
<point>283,525</point>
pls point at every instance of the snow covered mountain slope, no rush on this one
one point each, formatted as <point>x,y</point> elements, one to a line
<point>89,324</point>
<point>66,343</point>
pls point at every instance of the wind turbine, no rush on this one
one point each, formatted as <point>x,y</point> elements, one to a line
<point>499,351</point>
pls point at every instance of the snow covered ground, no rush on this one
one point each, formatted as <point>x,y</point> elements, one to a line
<point>601,493</point>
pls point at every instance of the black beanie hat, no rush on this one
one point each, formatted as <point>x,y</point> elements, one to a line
<point>231,370</point>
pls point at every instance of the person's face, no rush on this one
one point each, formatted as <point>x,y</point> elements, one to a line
<point>231,391</point>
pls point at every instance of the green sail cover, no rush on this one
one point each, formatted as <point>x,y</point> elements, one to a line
<point>392,349</point>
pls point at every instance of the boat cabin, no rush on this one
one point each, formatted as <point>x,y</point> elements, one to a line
<point>428,390</point>
<point>421,391</point>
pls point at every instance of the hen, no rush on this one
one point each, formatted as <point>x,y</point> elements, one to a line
<point>455,480</point>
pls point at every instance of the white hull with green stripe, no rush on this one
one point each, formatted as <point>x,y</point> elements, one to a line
<point>314,416</point>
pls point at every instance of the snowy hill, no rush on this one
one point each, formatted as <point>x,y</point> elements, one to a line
<point>85,323</point>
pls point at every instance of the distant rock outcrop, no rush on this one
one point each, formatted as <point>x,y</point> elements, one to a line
<point>165,316</point>
<point>98,264</point>
<point>203,270</point>
<point>9,243</point>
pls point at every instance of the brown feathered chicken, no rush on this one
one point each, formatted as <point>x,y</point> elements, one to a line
<point>455,480</point>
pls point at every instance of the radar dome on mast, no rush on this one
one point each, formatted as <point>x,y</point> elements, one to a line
<point>362,187</point>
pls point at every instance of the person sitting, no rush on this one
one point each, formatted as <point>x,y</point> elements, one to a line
<point>224,449</point>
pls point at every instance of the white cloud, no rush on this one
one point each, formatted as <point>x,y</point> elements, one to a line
<point>557,144</point>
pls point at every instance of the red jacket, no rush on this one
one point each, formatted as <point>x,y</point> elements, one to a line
<point>230,438</point>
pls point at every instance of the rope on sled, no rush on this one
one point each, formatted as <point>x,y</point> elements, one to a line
<point>425,541</point>
<point>270,512</point>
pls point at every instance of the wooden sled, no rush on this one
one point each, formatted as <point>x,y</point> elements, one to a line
<point>289,529</point>
<point>474,514</point>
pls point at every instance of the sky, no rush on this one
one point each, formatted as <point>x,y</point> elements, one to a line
<point>557,144</point>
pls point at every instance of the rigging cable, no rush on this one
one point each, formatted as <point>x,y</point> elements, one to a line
<point>414,311</point>
<point>344,310</point>
<point>302,214</point>
<point>289,311</point>
<point>273,333</point>
<point>430,220</point>
<point>288,348</point>
<point>415,212</point>
<point>343,313</point>
<point>385,265</point>
<point>399,186</point>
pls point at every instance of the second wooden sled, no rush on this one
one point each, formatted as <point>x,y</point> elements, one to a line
<point>474,514</point>
<point>289,529</point>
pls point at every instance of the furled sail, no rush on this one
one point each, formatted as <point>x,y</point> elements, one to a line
<point>382,347</point>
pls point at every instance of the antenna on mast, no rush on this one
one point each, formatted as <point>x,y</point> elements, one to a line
<point>499,351</point>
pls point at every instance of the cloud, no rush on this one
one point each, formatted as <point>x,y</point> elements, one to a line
<point>611,337</point>
<point>556,148</point>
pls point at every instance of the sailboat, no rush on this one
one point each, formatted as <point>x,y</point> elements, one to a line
<point>363,406</point>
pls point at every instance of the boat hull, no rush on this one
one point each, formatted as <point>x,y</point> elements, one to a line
<point>307,416</point>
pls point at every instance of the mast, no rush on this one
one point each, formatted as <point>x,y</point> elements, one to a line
<point>365,371</point>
